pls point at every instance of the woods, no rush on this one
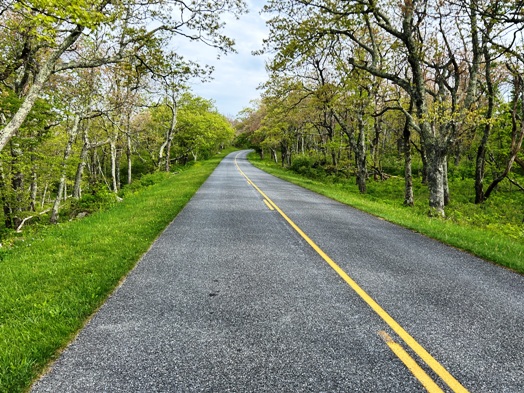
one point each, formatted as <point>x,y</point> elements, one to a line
<point>93,94</point>
<point>355,85</point>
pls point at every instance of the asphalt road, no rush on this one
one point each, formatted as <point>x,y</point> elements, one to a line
<point>231,298</point>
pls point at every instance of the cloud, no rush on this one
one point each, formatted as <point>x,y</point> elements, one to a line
<point>236,75</point>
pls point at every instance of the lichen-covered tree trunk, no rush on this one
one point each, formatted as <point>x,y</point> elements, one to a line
<point>408,175</point>
<point>435,158</point>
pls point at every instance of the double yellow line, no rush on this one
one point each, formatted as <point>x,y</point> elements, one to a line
<point>397,349</point>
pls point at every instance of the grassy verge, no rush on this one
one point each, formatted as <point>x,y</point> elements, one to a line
<point>52,281</point>
<point>493,231</point>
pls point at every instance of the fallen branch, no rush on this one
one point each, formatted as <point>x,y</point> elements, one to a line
<point>514,182</point>
<point>19,227</point>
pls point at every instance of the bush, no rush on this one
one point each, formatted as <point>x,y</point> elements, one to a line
<point>144,182</point>
<point>303,165</point>
<point>93,200</point>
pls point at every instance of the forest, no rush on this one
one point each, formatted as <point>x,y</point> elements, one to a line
<point>427,91</point>
<point>94,95</point>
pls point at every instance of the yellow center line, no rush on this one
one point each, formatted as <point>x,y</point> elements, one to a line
<point>268,205</point>
<point>394,325</point>
<point>411,364</point>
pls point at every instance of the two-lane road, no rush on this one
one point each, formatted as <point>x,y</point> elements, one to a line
<point>261,286</point>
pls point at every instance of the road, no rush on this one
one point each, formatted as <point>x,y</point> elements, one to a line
<point>261,286</point>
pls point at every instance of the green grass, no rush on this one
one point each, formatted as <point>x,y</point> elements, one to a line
<point>53,280</point>
<point>493,231</point>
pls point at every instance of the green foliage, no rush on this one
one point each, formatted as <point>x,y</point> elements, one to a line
<point>51,281</point>
<point>200,131</point>
<point>93,200</point>
<point>144,182</point>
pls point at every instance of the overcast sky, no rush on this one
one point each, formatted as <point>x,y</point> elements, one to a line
<point>236,75</point>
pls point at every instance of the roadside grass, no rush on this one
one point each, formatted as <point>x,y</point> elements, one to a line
<point>53,280</point>
<point>493,231</point>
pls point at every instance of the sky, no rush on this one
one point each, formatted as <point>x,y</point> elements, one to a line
<point>236,75</point>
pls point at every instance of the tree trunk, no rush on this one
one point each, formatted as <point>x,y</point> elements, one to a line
<point>114,184</point>
<point>375,150</point>
<point>360,155</point>
<point>6,206</point>
<point>61,185</point>
<point>445,182</point>
<point>480,164</point>
<point>274,156</point>
<point>33,190</point>
<point>424,159</point>
<point>435,159</point>
<point>169,141</point>
<point>117,168</point>
<point>408,176</point>
<point>77,189</point>
<point>129,160</point>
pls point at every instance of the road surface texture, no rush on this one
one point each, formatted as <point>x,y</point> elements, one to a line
<point>233,298</point>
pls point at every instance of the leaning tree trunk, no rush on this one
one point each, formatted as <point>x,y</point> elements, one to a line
<point>61,186</point>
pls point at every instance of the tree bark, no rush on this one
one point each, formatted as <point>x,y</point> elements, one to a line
<point>170,135</point>
<point>129,160</point>
<point>360,154</point>
<point>114,184</point>
<point>435,157</point>
<point>77,189</point>
<point>480,163</point>
<point>445,183</point>
<point>408,175</point>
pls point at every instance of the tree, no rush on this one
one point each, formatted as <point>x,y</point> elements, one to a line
<point>200,130</point>
<point>52,29</point>
<point>422,61</point>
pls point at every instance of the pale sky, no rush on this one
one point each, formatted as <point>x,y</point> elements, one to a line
<point>236,75</point>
